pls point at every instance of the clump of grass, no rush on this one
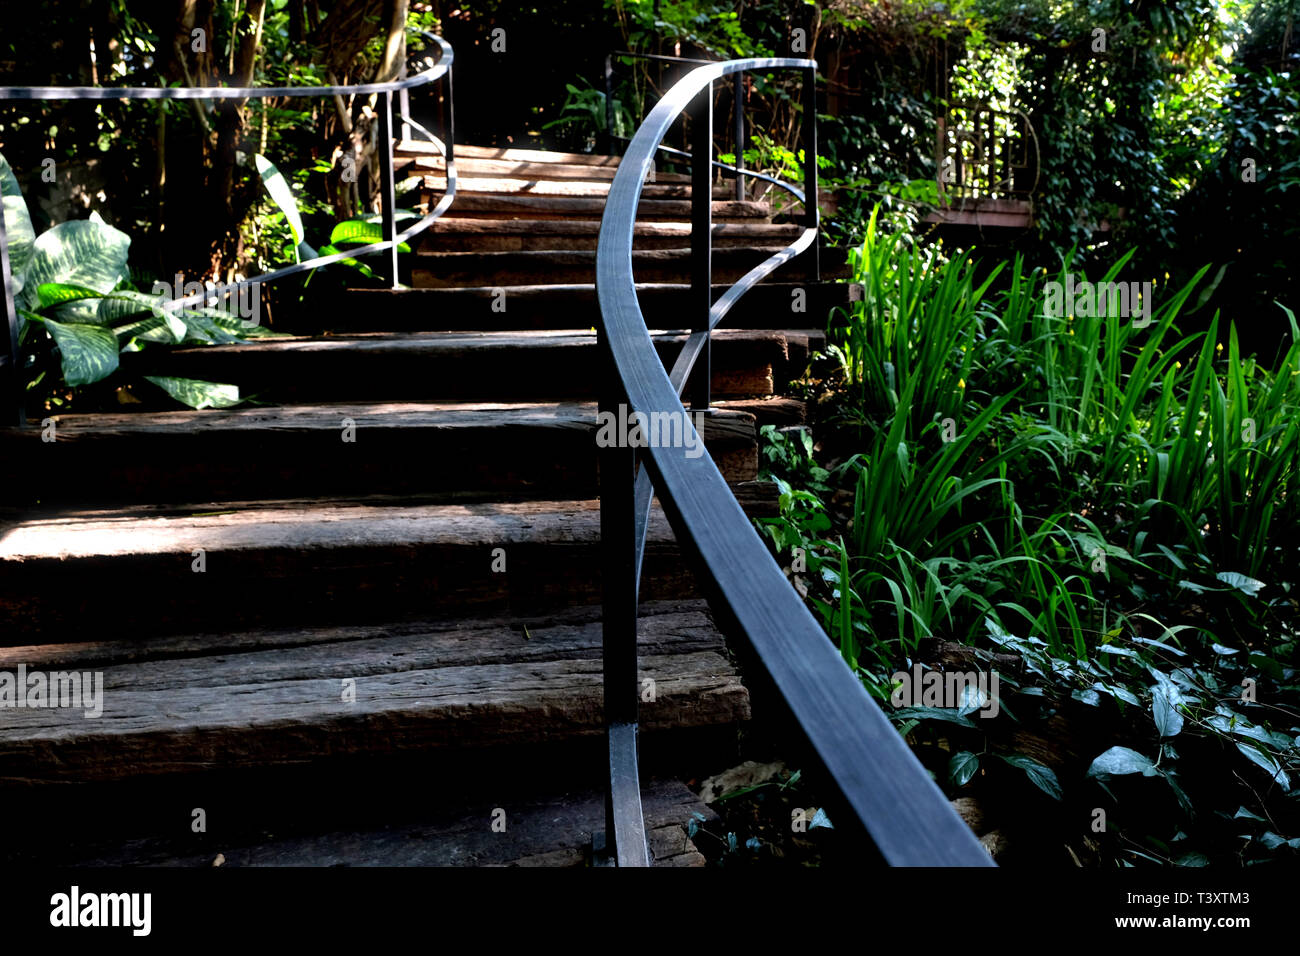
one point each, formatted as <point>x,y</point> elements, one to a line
<point>1114,503</point>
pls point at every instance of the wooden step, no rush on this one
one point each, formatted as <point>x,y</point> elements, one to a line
<point>488,366</point>
<point>418,148</point>
<point>505,206</point>
<point>81,575</point>
<point>473,166</point>
<point>299,451</point>
<point>566,188</point>
<point>249,699</point>
<point>510,235</point>
<point>553,831</point>
<point>441,270</point>
<point>540,307</point>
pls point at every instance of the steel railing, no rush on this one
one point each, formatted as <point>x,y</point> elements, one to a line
<point>877,789</point>
<point>11,385</point>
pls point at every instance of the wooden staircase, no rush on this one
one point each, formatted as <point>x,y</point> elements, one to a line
<point>383,579</point>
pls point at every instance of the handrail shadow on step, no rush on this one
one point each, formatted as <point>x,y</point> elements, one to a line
<point>876,789</point>
<point>11,389</point>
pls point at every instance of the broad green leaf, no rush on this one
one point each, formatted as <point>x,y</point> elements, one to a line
<point>1258,757</point>
<point>1118,761</point>
<point>1247,585</point>
<point>1044,778</point>
<point>19,233</point>
<point>1117,690</point>
<point>1272,841</point>
<point>88,352</point>
<point>933,713</point>
<point>123,303</point>
<point>278,189</point>
<point>196,393</point>
<point>1121,651</point>
<point>962,767</point>
<point>85,253</point>
<point>1164,708</point>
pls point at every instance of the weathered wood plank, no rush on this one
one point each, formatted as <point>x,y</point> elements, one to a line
<point>569,188</point>
<point>545,632</point>
<point>434,269</point>
<point>570,305</point>
<point>548,831</point>
<point>495,206</point>
<point>476,166</point>
<point>519,154</point>
<point>70,577</point>
<point>499,366</point>
<point>774,410</point>
<point>508,235</point>
<point>484,447</point>
<point>268,721</point>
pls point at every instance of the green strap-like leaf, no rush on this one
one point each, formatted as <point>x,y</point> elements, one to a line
<point>278,189</point>
<point>57,293</point>
<point>88,352</point>
<point>359,230</point>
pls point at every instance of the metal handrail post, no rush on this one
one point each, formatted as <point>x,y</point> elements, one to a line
<point>624,838</point>
<point>812,216</point>
<point>701,116</point>
<point>738,129</point>
<point>387,187</point>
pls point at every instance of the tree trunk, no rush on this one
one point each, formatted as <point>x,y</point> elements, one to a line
<point>231,124</point>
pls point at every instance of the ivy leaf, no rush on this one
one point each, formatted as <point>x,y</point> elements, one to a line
<point>1272,841</point>
<point>1044,778</point>
<point>1118,761</point>
<point>1164,708</point>
<point>1247,585</point>
<point>934,713</point>
<point>1261,759</point>
<point>962,767</point>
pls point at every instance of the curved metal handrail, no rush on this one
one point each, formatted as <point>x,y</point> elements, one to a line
<point>883,791</point>
<point>436,72</point>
